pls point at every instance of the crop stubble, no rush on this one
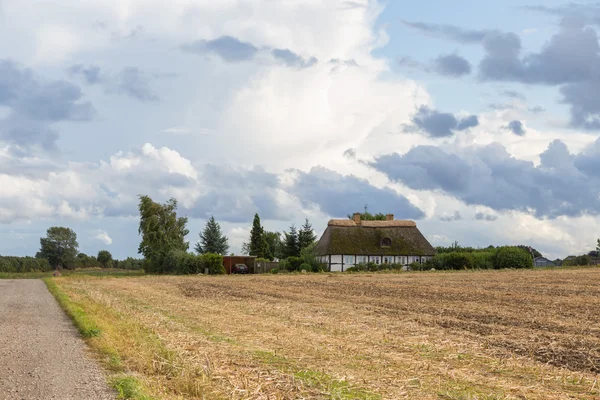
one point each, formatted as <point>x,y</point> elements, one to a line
<point>497,334</point>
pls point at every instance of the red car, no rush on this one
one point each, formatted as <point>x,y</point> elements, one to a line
<point>240,269</point>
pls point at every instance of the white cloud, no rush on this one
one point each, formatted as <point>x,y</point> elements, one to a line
<point>103,237</point>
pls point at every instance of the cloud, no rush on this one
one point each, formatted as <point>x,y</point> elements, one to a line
<point>437,124</point>
<point>91,74</point>
<point>516,127</point>
<point>485,217</point>
<point>570,59</point>
<point>350,153</point>
<point>490,176</point>
<point>408,62</point>
<point>35,105</point>
<point>130,81</point>
<point>338,195</point>
<point>226,47</point>
<point>449,32</point>
<point>292,59</point>
<point>456,216</point>
<point>452,65</point>
<point>514,94</point>
<point>103,237</point>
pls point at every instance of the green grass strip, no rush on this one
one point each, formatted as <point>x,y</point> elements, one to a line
<point>128,387</point>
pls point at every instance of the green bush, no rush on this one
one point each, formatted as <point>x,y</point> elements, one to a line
<point>415,266</point>
<point>458,261</point>
<point>214,263</point>
<point>512,257</point>
<point>483,260</point>
<point>293,263</point>
<point>306,267</point>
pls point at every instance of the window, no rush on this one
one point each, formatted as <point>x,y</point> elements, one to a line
<point>348,259</point>
<point>361,259</point>
<point>386,242</point>
<point>386,260</point>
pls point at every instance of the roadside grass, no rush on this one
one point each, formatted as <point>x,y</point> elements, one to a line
<point>77,272</point>
<point>110,336</point>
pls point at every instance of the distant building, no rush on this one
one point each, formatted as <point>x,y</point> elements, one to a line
<point>543,262</point>
<point>348,242</point>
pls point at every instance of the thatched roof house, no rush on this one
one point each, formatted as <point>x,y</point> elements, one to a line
<point>347,242</point>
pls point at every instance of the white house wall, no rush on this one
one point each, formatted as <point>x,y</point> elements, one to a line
<point>341,262</point>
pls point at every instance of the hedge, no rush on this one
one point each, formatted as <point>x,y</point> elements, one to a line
<point>24,264</point>
<point>183,263</point>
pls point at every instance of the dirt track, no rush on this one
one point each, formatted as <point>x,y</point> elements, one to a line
<point>41,353</point>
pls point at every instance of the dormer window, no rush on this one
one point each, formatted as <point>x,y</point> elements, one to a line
<point>386,242</point>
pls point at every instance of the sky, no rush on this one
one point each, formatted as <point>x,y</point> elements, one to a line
<point>478,120</point>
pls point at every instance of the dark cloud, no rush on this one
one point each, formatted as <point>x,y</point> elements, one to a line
<point>35,105</point>
<point>570,59</point>
<point>516,127</point>
<point>350,153</point>
<point>452,65</point>
<point>451,218</point>
<point>438,124</point>
<point>564,184</point>
<point>468,122</point>
<point>292,59</point>
<point>514,94</point>
<point>336,194</point>
<point>485,217</point>
<point>449,32</point>
<point>228,48</point>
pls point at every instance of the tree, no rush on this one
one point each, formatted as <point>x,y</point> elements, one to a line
<point>59,246</point>
<point>105,258</point>
<point>274,242</point>
<point>598,246</point>
<point>256,246</point>
<point>212,240</point>
<point>306,236</point>
<point>367,216</point>
<point>291,245</point>
<point>161,230</point>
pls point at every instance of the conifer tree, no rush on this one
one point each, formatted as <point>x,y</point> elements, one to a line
<point>257,242</point>
<point>306,236</point>
<point>212,240</point>
<point>291,245</point>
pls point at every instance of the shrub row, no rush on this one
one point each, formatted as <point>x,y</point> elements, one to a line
<point>499,258</point>
<point>183,263</point>
<point>24,264</point>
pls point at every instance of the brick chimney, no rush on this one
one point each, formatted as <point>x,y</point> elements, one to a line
<point>389,217</point>
<point>356,218</point>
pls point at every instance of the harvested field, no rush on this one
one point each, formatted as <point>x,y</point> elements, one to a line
<point>462,335</point>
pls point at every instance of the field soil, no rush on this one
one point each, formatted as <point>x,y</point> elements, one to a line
<point>41,354</point>
<point>460,335</point>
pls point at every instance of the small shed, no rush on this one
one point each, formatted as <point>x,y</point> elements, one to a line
<point>230,261</point>
<point>543,262</point>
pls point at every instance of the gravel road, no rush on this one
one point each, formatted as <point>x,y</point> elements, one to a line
<point>42,355</point>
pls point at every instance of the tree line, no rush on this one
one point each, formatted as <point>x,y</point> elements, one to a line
<point>60,249</point>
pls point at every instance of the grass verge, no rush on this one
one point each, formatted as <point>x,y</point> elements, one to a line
<point>126,385</point>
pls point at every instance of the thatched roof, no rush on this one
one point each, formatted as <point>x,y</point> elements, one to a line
<point>344,236</point>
